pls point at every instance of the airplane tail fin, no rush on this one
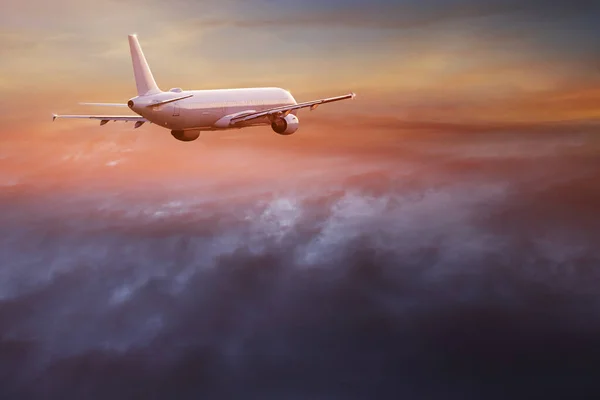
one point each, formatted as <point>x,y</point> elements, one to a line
<point>144,80</point>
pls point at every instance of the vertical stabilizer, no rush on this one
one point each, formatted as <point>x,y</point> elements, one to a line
<point>144,80</point>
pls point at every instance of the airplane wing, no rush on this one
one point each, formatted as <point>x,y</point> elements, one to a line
<point>285,110</point>
<point>139,120</point>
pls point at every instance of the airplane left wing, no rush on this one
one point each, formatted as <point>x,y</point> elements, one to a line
<point>105,118</point>
<point>285,110</point>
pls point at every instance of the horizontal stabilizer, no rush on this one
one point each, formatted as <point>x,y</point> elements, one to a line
<point>160,103</point>
<point>105,104</point>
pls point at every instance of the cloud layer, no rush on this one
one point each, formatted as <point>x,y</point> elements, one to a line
<point>444,266</point>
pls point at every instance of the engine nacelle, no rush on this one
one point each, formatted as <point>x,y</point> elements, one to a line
<point>286,125</point>
<point>185,136</point>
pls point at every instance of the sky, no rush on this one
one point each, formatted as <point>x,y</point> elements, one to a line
<point>457,60</point>
<point>435,238</point>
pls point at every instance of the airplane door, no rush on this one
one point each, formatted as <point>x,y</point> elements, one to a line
<point>175,109</point>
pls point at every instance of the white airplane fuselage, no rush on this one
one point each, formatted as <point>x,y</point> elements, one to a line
<point>188,112</point>
<point>206,109</point>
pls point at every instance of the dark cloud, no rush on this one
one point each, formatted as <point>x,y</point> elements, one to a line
<point>398,15</point>
<point>448,266</point>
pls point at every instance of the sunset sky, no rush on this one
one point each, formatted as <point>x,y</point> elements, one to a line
<point>435,238</point>
<point>432,60</point>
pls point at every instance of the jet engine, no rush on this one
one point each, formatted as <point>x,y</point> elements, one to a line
<point>285,125</point>
<point>185,136</point>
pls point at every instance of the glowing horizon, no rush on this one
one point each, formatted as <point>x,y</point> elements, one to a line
<point>460,61</point>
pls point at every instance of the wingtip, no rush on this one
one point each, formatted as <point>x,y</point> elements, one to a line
<point>54,117</point>
<point>353,95</point>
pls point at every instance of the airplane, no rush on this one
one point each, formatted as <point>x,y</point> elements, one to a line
<point>188,112</point>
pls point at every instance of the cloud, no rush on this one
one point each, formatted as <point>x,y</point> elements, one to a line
<point>395,16</point>
<point>456,259</point>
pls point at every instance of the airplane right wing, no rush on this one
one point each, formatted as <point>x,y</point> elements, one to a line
<point>285,110</point>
